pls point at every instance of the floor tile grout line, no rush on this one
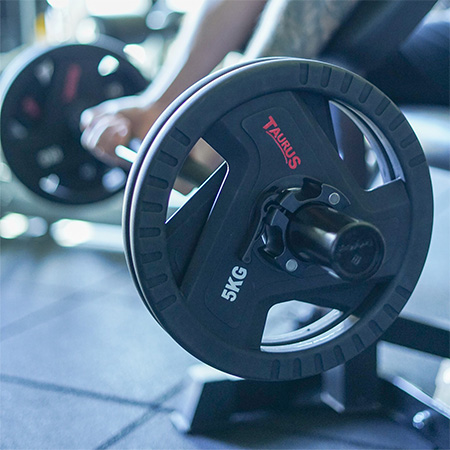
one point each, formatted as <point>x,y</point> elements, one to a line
<point>146,417</point>
<point>30,316</point>
<point>151,410</point>
<point>78,290</point>
<point>47,308</point>
<point>38,317</point>
<point>127,430</point>
<point>52,387</point>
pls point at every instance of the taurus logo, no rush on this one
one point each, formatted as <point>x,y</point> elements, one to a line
<point>274,131</point>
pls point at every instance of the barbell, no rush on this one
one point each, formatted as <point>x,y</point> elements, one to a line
<point>282,221</point>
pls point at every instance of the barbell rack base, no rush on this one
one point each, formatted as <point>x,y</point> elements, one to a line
<point>213,400</point>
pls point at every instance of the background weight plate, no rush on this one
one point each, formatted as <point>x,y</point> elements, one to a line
<point>183,266</point>
<point>43,94</point>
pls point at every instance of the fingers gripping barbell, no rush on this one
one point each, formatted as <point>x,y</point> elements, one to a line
<point>282,219</point>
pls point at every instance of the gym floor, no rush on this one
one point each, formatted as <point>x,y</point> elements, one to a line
<point>84,366</point>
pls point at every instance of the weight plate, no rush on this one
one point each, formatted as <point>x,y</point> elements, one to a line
<point>43,94</point>
<point>134,171</point>
<point>204,274</point>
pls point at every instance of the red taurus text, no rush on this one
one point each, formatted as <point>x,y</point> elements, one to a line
<point>273,130</point>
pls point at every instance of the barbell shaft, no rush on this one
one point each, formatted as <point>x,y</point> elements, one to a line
<point>192,172</point>
<point>125,153</point>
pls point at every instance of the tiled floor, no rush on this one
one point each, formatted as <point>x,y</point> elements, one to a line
<point>84,366</point>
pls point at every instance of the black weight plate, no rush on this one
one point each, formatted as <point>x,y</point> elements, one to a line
<point>134,171</point>
<point>187,266</point>
<point>43,94</point>
<point>205,196</point>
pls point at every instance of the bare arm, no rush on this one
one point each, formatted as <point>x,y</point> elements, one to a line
<point>218,27</point>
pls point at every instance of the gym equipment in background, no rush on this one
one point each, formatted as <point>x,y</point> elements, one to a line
<point>43,93</point>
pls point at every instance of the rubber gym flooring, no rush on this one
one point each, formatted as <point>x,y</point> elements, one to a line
<point>84,366</point>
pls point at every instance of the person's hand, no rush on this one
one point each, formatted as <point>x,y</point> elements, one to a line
<point>117,122</point>
<point>113,123</point>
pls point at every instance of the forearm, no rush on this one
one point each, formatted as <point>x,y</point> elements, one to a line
<point>218,27</point>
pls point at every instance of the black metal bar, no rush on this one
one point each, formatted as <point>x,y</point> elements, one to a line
<point>211,398</point>
<point>353,386</point>
<point>419,336</point>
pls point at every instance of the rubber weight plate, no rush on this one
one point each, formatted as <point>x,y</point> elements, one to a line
<point>214,271</point>
<point>43,94</point>
<point>134,171</point>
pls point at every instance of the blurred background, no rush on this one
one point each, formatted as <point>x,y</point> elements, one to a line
<point>145,29</point>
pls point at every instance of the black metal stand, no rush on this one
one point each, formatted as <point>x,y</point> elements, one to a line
<point>213,399</point>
